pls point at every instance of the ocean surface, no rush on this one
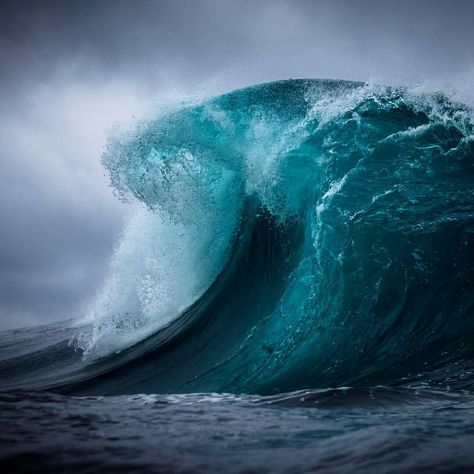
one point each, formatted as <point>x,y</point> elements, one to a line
<point>293,293</point>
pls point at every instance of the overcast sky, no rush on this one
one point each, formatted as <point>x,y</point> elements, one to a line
<point>70,70</point>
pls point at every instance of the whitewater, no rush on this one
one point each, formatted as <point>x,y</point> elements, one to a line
<point>298,273</point>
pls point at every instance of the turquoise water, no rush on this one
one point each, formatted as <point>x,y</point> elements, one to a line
<point>331,226</point>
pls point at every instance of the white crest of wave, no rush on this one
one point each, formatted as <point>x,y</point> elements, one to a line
<point>159,268</point>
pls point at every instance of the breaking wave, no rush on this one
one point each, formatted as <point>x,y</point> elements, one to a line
<point>291,235</point>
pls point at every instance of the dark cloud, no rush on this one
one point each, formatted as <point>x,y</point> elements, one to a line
<point>70,69</point>
<point>158,42</point>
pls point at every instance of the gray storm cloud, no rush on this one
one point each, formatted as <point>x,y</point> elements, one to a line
<point>71,70</point>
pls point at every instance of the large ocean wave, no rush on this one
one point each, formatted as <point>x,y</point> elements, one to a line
<point>291,235</point>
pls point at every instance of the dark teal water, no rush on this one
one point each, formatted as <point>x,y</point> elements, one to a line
<point>291,239</point>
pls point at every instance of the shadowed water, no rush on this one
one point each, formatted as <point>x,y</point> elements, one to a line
<point>376,430</point>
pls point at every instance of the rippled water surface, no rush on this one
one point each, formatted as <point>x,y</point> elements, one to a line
<point>353,430</point>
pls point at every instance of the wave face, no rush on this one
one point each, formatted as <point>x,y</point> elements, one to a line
<point>297,234</point>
